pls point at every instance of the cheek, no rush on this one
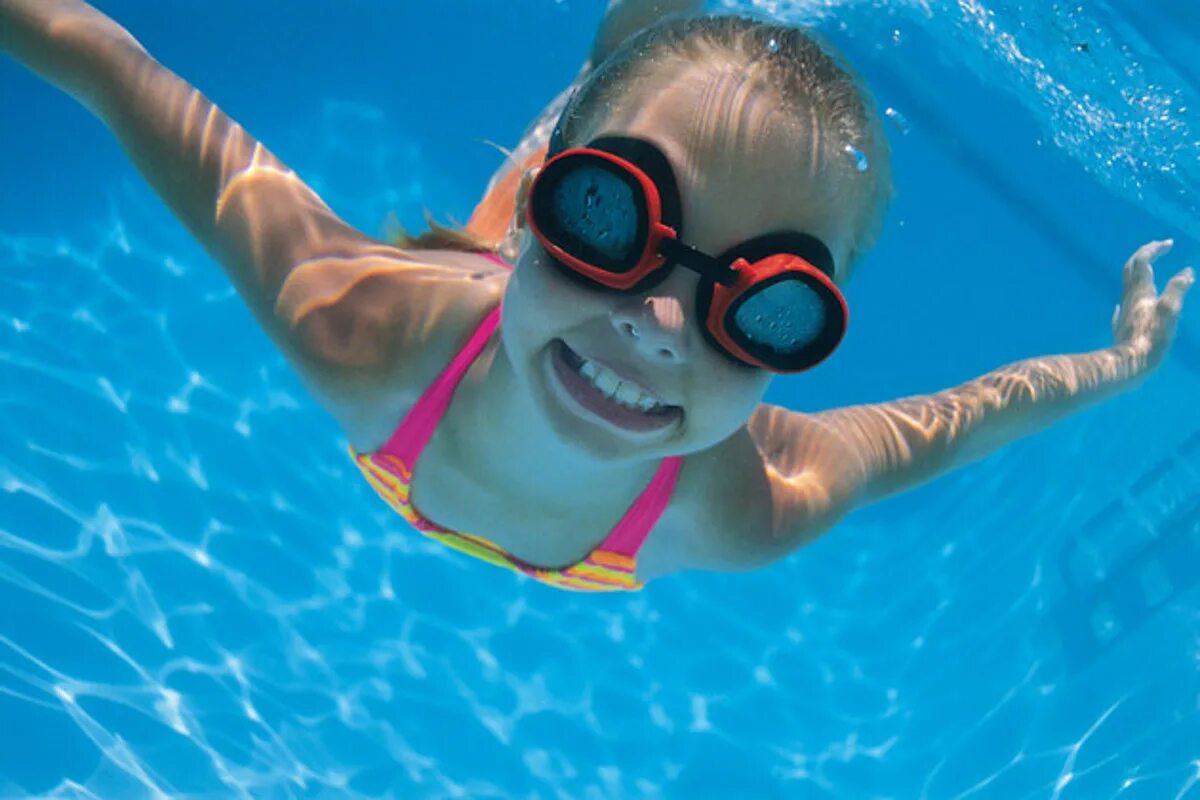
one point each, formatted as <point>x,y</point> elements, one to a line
<point>540,303</point>
<point>724,396</point>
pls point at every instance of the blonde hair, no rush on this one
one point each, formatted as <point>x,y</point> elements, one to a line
<point>437,237</point>
<point>805,71</point>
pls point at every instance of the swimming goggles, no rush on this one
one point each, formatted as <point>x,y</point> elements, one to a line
<point>609,215</point>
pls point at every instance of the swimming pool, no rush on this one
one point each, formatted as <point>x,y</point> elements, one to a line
<point>199,597</point>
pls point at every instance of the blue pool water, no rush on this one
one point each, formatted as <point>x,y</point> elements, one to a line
<point>200,598</point>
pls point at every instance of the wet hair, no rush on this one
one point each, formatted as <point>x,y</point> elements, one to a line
<point>437,237</point>
<point>806,72</point>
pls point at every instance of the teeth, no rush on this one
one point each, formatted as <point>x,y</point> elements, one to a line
<point>607,383</point>
<point>614,389</point>
<point>628,395</point>
<point>646,403</point>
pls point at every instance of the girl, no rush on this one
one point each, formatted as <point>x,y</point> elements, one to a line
<point>577,376</point>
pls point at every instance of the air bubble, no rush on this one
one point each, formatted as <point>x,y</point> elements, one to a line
<point>773,45</point>
<point>860,158</point>
<point>897,119</point>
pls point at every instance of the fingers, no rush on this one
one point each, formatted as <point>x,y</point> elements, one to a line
<point>1150,252</point>
<point>1139,274</point>
<point>1171,302</point>
<point>1144,317</point>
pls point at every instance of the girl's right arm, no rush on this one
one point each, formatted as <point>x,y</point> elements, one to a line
<point>344,308</point>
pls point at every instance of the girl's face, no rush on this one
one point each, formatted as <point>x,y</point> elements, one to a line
<point>743,170</point>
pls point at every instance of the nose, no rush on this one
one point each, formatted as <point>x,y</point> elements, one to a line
<point>654,326</point>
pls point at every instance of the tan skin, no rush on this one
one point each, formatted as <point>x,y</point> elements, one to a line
<point>368,326</point>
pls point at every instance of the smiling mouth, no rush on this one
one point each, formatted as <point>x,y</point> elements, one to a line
<point>604,394</point>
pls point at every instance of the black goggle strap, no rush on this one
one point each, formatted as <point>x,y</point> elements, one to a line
<point>556,139</point>
<point>720,269</point>
<point>714,269</point>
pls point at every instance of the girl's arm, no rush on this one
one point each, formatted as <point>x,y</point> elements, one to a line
<point>340,305</point>
<point>821,466</point>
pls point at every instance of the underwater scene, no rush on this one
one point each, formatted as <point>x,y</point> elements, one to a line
<point>201,598</point>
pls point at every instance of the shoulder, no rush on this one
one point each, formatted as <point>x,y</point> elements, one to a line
<point>340,303</point>
<point>378,326</point>
<point>719,518</point>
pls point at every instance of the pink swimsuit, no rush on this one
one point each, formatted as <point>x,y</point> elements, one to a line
<point>611,565</point>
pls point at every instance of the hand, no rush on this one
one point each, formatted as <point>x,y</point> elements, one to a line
<point>1146,320</point>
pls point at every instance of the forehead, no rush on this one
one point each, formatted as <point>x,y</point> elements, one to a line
<point>745,167</point>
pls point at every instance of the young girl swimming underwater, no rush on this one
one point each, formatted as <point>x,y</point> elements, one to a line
<point>571,387</point>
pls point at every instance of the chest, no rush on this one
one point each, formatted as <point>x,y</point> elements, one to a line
<point>447,493</point>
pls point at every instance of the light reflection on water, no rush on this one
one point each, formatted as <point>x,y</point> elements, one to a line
<point>198,597</point>
<point>1121,105</point>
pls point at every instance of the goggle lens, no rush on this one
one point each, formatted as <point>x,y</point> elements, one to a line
<point>597,212</point>
<point>784,318</point>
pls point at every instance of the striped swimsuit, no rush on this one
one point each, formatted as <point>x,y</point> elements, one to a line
<point>611,566</point>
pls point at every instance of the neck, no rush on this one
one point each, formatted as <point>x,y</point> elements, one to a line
<point>503,433</point>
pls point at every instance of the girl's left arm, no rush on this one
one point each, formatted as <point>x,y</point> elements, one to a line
<point>820,466</point>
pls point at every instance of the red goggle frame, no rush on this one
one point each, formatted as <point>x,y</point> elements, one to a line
<point>727,281</point>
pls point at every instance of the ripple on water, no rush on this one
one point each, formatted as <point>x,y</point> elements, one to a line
<point>182,605</point>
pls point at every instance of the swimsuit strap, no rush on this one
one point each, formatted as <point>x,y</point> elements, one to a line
<point>413,434</point>
<point>630,533</point>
